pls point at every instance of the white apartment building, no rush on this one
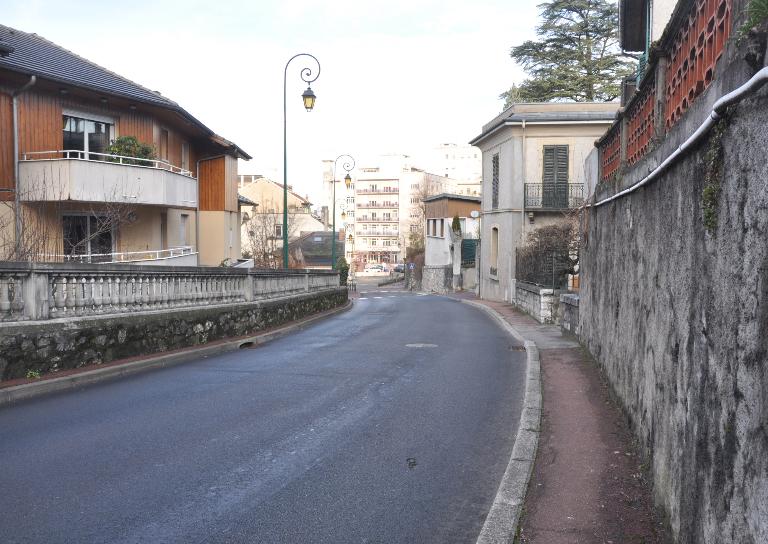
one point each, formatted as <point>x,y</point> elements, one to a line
<point>463,163</point>
<point>382,206</point>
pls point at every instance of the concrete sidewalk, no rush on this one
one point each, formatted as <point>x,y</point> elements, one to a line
<point>588,483</point>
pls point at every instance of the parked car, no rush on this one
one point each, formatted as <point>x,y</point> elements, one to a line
<point>400,268</point>
<point>375,267</point>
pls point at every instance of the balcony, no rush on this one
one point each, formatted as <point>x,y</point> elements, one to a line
<point>53,176</point>
<point>382,191</point>
<point>553,196</point>
<point>386,205</point>
<point>367,219</point>
<point>174,256</point>
<point>378,233</point>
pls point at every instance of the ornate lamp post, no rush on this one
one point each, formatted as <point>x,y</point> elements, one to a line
<point>308,97</point>
<point>348,165</point>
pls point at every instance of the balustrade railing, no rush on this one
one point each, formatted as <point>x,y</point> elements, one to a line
<point>78,154</point>
<point>382,191</point>
<point>640,121</point>
<point>378,205</point>
<point>553,196</point>
<point>45,291</point>
<point>681,66</point>
<point>610,152</point>
<point>697,46</point>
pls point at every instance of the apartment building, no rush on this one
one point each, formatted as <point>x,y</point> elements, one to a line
<point>383,206</point>
<point>67,194</point>
<point>533,163</point>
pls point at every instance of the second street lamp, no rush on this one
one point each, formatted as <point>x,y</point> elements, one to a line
<point>348,165</point>
<point>308,97</point>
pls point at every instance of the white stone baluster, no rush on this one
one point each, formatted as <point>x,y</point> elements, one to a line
<point>5,299</point>
<point>97,292</point>
<point>130,294</point>
<point>61,296</point>
<point>114,293</point>
<point>80,296</point>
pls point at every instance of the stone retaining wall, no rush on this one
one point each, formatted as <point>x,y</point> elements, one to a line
<point>569,313</point>
<point>57,344</point>
<point>437,279</point>
<point>539,302</point>
<point>674,306</point>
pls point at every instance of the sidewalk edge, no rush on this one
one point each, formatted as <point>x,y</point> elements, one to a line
<point>16,393</point>
<point>502,521</point>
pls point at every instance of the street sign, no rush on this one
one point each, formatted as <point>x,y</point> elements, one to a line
<point>411,266</point>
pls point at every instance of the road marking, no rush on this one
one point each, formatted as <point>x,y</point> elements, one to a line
<point>378,297</point>
<point>363,298</point>
<point>421,345</point>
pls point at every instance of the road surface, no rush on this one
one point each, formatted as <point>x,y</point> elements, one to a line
<point>392,422</point>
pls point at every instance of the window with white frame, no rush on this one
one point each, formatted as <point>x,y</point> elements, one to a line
<point>86,135</point>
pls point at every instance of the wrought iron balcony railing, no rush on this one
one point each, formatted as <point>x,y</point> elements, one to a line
<point>553,196</point>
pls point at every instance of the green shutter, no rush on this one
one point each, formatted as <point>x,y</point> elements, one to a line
<point>555,164</point>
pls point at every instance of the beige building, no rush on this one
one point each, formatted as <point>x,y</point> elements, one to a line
<point>533,174</point>
<point>261,231</point>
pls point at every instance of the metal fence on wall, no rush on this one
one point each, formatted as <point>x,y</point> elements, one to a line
<point>547,269</point>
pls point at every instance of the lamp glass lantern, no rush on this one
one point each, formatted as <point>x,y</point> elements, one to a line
<point>309,98</point>
<point>348,181</point>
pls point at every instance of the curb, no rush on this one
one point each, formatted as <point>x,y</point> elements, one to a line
<point>16,393</point>
<point>501,523</point>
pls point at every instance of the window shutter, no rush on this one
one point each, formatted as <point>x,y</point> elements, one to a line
<point>555,164</point>
<point>561,152</point>
<point>549,164</point>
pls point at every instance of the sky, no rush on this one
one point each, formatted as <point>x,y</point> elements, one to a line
<point>397,76</point>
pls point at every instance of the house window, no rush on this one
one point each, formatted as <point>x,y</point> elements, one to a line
<point>554,176</point>
<point>442,228</point>
<point>495,182</point>
<point>88,235</point>
<point>183,229</point>
<point>555,163</point>
<point>494,251</point>
<point>278,231</point>
<point>414,228</point>
<point>86,135</point>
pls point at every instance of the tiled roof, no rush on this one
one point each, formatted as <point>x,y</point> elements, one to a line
<point>34,55</point>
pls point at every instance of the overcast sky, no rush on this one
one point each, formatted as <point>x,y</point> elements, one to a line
<point>397,75</point>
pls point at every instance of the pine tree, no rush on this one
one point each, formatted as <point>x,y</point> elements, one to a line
<point>576,57</point>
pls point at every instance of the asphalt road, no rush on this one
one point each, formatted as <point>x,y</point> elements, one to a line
<point>392,422</point>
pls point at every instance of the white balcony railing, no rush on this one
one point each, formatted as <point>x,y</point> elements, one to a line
<point>71,175</point>
<point>104,157</point>
<point>141,257</point>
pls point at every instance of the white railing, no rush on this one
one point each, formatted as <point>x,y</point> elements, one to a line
<point>123,257</point>
<point>76,154</point>
<point>50,291</point>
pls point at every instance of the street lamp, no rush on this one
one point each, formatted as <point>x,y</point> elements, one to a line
<point>308,97</point>
<point>348,165</point>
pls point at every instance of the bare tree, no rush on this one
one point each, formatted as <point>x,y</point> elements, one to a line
<point>41,234</point>
<point>550,253</point>
<point>416,236</point>
<point>263,239</point>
